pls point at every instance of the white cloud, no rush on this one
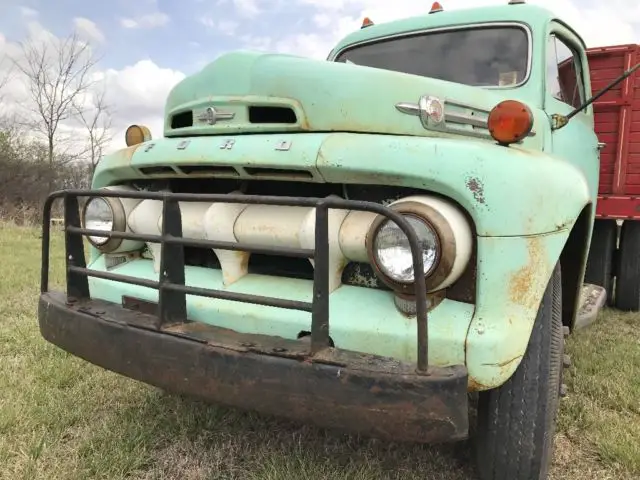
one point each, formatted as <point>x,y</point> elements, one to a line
<point>88,29</point>
<point>150,20</point>
<point>226,27</point>
<point>135,93</point>
<point>28,12</point>
<point>248,8</point>
<point>138,93</point>
<point>600,23</point>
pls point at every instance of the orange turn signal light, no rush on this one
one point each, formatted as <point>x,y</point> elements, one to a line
<point>366,22</point>
<point>510,122</point>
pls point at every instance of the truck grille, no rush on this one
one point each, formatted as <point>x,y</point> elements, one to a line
<point>354,273</point>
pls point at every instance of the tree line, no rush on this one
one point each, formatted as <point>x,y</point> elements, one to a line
<point>55,136</point>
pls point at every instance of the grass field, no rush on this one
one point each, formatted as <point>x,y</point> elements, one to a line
<point>61,418</point>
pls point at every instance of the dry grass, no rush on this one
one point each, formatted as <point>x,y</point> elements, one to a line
<point>61,418</point>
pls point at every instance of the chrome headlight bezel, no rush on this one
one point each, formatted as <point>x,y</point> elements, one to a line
<point>375,251</point>
<point>119,223</point>
<point>445,254</point>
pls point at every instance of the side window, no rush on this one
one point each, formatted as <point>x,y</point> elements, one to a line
<point>564,78</point>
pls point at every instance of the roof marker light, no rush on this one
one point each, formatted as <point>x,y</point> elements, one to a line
<point>436,7</point>
<point>366,22</point>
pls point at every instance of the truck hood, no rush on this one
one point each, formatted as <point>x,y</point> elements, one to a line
<point>262,93</point>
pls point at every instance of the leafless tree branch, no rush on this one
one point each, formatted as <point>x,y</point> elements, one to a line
<point>97,122</point>
<point>58,75</point>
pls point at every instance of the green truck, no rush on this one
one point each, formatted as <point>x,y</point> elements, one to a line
<point>363,243</point>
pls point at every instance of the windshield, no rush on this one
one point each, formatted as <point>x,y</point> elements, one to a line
<point>488,56</point>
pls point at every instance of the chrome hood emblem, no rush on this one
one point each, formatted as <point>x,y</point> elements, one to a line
<point>211,116</point>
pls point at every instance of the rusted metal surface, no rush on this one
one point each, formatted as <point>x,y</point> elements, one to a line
<point>520,290</point>
<point>476,187</point>
<point>338,389</point>
<point>139,305</point>
<point>475,386</point>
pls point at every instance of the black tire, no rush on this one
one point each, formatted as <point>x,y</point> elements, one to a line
<point>628,277</point>
<point>516,421</point>
<point>600,263</point>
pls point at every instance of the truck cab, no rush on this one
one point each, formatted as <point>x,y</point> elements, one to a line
<point>358,243</point>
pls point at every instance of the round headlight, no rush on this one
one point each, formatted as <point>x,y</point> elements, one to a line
<point>444,241</point>
<point>392,252</point>
<point>98,215</point>
<point>105,214</point>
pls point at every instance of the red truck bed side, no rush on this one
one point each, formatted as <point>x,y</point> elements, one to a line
<point>617,124</point>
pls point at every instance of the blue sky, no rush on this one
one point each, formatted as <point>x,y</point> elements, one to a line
<point>178,34</point>
<point>147,46</point>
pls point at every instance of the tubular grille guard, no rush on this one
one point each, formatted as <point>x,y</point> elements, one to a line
<point>171,286</point>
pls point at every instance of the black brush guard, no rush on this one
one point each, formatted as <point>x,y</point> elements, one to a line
<point>317,383</point>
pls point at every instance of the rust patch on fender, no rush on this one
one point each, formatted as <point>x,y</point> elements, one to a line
<point>476,187</point>
<point>475,386</point>
<point>520,284</point>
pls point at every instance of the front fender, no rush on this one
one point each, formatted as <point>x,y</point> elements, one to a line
<point>506,191</point>
<point>513,273</point>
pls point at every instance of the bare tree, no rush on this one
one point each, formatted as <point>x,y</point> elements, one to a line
<point>97,122</point>
<point>58,74</point>
<point>5,77</point>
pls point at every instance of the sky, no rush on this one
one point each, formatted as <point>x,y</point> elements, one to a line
<point>147,46</point>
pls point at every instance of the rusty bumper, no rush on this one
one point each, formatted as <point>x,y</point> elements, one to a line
<point>339,389</point>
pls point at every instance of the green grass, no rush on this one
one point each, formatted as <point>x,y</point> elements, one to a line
<point>62,418</point>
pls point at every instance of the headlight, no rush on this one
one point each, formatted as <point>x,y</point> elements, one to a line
<point>98,215</point>
<point>107,215</point>
<point>444,239</point>
<point>393,253</point>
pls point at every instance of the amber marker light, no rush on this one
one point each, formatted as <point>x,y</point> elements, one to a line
<point>137,134</point>
<point>436,8</point>
<point>366,22</point>
<point>510,122</point>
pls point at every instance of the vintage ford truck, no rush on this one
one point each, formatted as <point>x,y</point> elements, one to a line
<point>359,243</point>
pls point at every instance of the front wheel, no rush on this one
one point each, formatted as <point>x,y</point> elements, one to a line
<point>516,421</point>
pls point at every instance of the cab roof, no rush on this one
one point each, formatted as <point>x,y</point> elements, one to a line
<point>531,15</point>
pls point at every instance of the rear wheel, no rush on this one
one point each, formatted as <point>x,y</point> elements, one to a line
<point>516,421</point>
<point>628,277</point>
<point>600,264</point>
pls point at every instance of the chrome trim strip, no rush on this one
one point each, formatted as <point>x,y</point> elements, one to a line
<point>335,54</point>
<point>463,119</point>
<point>453,118</point>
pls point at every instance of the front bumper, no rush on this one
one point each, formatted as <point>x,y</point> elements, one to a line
<point>333,388</point>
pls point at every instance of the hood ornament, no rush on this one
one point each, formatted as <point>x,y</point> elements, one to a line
<point>211,116</point>
<point>429,109</point>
